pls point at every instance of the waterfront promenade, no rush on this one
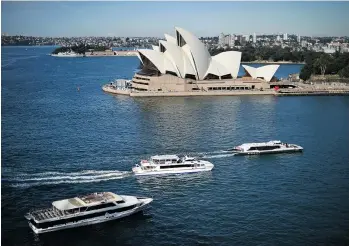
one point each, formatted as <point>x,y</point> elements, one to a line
<point>305,91</point>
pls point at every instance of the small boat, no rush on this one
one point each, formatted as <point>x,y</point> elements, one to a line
<point>271,147</point>
<point>171,164</point>
<point>67,54</point>
<point>85,210</point>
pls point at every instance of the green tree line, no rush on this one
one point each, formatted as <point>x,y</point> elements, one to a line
<point>322,64</point>
<point>275,53</point>
<point>80,49</point>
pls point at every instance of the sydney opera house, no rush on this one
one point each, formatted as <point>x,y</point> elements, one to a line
<point>183,64</point>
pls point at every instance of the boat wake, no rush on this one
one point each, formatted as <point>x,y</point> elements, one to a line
<point>11,61</point>
<point>55,178</point>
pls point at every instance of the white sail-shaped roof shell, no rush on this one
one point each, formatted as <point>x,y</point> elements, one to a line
<point>197,50</point>
<point>266,72</point>
<point>217,69</point>
<point>252,71</point>
<point>231,60</point>
<point>159,60</point>
<point>174,54</point>
<point>170,39</point>
<point>156,48</point>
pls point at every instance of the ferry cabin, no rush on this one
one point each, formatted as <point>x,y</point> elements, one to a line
<point>165,159</point>
<point>170,161</point>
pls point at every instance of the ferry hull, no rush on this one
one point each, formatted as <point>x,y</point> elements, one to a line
<point>266,152</point>
<point>196,170</point>
<point>96,220</point>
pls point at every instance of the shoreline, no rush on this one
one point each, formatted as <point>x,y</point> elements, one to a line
<point>279,62</point>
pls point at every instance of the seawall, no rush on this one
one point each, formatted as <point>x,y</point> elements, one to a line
<point>200,93</point>
<point>282,92</point>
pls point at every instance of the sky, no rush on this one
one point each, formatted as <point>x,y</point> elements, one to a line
<point>153,19</point>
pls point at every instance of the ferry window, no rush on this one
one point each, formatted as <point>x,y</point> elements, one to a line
<point>174,161</point>
<point>118,202</point>
<point>124,208</point>
<point>177,166</point>
<point>162,161</point>
<point>264,147</point>
<point>100,206</point>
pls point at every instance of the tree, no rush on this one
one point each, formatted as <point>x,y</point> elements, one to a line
<point>322,62</point>
<point>344,73</point>
<point>306,72</point>
<point>341,60</point>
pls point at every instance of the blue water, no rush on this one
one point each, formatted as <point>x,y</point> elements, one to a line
<point>58,142</point>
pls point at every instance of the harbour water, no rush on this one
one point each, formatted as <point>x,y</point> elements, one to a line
<point>62,137</point>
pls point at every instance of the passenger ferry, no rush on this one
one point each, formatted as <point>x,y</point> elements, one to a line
<point>271,147</point>
<point>171,164</point>
<point>67,54</point>
<point>85,210</point>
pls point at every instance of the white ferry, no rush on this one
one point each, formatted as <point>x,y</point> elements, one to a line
<point>85,210</point>
<point>67,54</point>
<point>171,164</point>
<point>270,147</point>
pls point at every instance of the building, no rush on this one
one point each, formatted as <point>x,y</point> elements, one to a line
<point>221,39</point>
<point>304,44</point>
<point>254,38</point>
<point>226,40</point>
<point>183,64</point>
<point>285,37</point>
<point>278,38</point>
<point>299,38</point>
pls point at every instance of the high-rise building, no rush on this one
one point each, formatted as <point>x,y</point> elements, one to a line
<point>278,38</point>
<point>285,37</point>
<point>254,38</point>
<point>221,39</point>
<point>232,40</point>
<point>228,40</point>
<point>299,38</point>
